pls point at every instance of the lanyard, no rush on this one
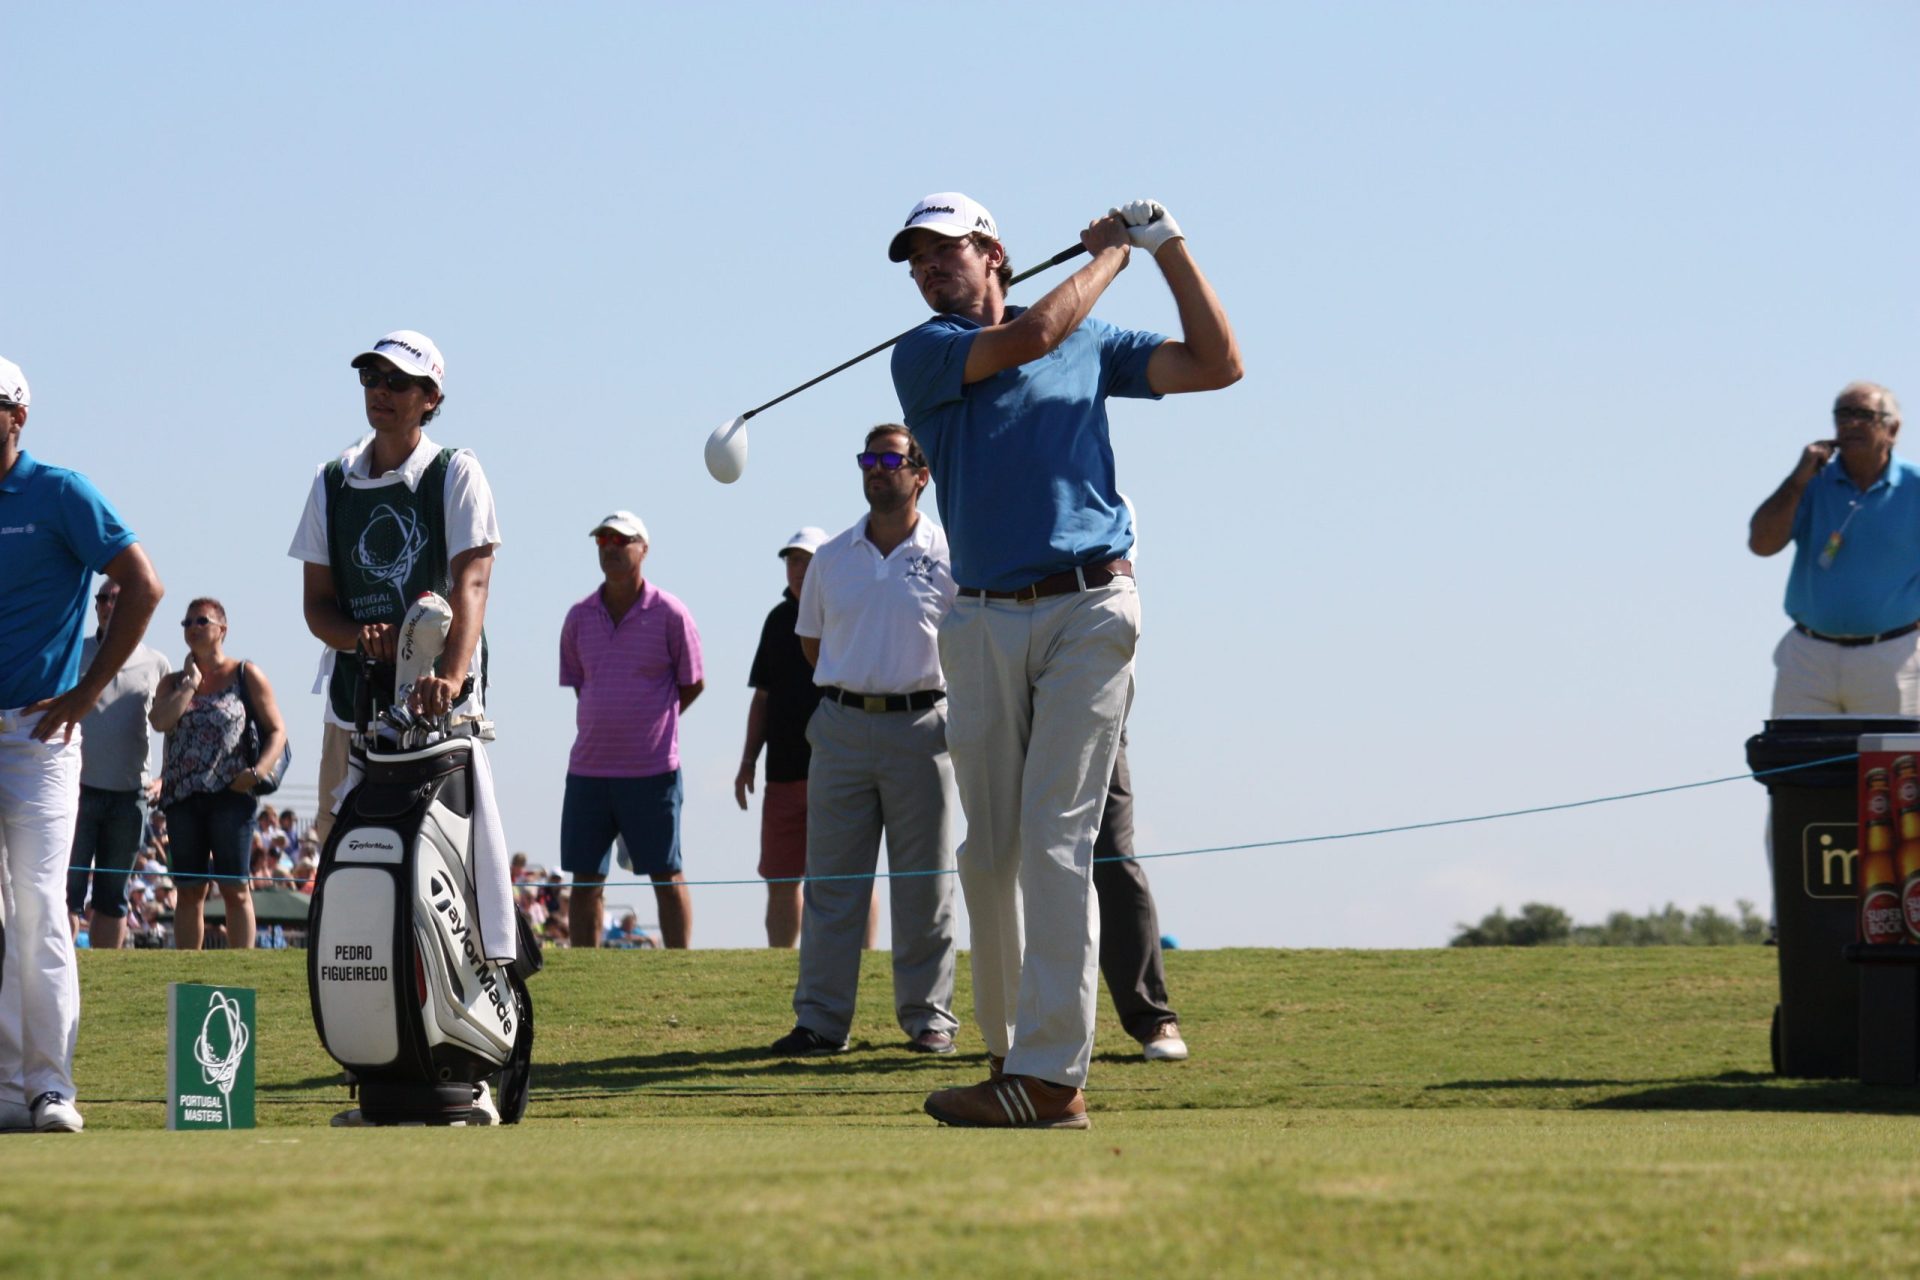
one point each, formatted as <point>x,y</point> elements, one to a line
<point>1835,538</point>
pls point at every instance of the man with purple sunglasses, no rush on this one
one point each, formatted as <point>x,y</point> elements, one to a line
<point>870,610</point>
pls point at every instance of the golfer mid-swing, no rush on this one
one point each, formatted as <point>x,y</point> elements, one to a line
<point>1009,404</point>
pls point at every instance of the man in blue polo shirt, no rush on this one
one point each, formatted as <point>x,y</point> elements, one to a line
<point>1009,404</point>
<point>1851,511</point>
<point>56,532</point>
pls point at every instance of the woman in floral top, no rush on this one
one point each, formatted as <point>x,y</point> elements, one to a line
<point>206,783</point>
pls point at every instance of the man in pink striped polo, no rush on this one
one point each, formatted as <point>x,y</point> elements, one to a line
<point>631,655</point>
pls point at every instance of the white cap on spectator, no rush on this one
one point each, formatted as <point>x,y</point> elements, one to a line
<point>409,351</point>
<point>808,540</point>
<point>13,384</point>
<point>624,523</point>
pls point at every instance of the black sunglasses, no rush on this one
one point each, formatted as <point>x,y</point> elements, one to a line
<point>393,380</point>
<point>201,621</point>
<point>1854,413</point>
<point>885,461</point>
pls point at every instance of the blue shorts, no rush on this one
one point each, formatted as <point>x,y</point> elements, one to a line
<point>645,811</point>
<point>210,838</point>
<point>105,839</point>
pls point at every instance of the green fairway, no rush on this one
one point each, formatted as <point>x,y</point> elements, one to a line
<point>1461,1113</point>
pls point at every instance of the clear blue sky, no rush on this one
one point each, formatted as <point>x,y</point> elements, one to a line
<point>1537,302</point>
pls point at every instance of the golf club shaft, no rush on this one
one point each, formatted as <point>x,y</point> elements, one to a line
<point>1054,261</point>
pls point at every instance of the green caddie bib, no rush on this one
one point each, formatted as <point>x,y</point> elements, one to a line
<point>386,547</point>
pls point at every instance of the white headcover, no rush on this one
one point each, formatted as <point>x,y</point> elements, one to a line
<point>423,634</point>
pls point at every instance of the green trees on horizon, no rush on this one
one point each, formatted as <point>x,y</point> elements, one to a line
<point>1539,924</point>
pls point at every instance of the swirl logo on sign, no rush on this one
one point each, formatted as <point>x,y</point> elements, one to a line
<point>389,547</point>
<point>220,1068</point>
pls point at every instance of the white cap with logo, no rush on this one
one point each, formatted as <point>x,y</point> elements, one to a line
<point>808,540</point>
<point>946,213</point>
<point>410,352</point>
<point>13,384</point>
<point>624,523</point>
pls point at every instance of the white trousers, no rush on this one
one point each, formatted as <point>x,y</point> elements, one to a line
<point>1815,678</point>
<point>40,982</point>
<point>1037,694</point>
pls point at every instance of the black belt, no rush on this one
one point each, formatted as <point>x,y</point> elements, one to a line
<point>1063,583</point>
<point>883,701</point>
<point>1855,642</point>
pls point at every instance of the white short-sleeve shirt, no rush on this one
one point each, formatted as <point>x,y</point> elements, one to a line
<point>877,617</point>
<point>468,508</point>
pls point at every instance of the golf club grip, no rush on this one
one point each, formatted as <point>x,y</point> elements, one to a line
<point>1058,258</point>
<point>1054,261</point>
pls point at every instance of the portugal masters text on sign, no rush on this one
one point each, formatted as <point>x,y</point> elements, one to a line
<point>209,1057</point>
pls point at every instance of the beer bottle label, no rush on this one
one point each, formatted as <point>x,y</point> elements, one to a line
<point>1880,917</point>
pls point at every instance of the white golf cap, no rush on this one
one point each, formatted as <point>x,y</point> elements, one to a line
<point>807,540</point>
<point>946,213</point>
<point>13,383</point>
<point>624,523</point>
<point>409,352</point>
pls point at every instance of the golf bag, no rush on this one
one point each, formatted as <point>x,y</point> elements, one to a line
<point>403,995</point>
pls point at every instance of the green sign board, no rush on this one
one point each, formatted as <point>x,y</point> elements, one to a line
<point>209,1057</point>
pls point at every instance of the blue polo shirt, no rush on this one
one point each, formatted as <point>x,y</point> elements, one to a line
<point>56,532</point>
<point>1022,462</point>
<point>1873,584</point>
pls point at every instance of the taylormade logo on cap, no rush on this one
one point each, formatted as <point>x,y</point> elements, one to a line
<point>409,351</point>
<point>948,213</point>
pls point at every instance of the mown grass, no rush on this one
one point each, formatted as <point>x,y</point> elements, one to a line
<point>1567,1112</point>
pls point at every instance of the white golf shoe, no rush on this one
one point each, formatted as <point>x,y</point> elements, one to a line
<point>54,1114</point>
<point>484,1112</point>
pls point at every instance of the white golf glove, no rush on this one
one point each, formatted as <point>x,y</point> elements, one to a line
<point>1149,225</point>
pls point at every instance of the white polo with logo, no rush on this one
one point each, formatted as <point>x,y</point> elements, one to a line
<point>878,641</point>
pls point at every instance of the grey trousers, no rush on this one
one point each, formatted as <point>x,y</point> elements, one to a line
<point>873,772</point>
<point>1129,924</point>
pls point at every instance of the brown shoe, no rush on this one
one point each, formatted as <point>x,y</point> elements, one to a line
<point>1010,1102</point>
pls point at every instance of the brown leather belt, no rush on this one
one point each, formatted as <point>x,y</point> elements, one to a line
<point>1066,582</point>
<point>1855,642</point>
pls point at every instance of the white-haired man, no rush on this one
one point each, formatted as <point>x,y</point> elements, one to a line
<point>1850,508</point>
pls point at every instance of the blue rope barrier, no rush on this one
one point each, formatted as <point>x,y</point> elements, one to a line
<point>1138,857</point>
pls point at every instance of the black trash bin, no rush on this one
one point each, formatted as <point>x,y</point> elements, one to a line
<point>1816,1026</point>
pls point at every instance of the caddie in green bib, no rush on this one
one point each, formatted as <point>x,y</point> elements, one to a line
<point>388,546</point>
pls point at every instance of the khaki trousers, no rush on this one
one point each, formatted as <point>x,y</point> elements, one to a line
<point>1037,694</point>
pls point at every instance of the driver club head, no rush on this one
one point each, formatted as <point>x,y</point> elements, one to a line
<point>727,450</point>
